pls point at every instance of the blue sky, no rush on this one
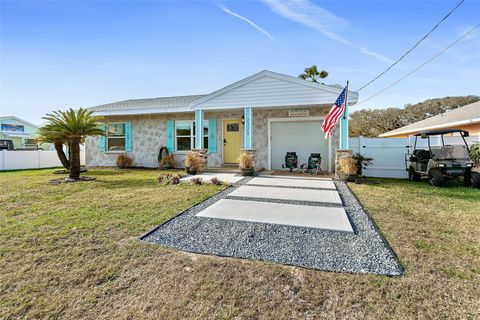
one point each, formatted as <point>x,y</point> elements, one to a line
<point>58,54</point>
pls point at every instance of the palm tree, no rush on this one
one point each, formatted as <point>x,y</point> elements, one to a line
<point>73,126</point>
<point>46,136</point>
<point>312,73</point>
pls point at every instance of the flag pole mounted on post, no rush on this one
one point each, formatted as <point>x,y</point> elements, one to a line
<point>338,112</point>
<point>344,124</point>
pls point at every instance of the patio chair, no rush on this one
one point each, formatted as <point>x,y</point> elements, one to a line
<point>314,162</point>
<point>291,161</point>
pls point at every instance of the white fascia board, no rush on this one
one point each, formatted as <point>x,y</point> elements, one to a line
<point>140,112</point>
<point>440,126</point>
<point>351,94</point>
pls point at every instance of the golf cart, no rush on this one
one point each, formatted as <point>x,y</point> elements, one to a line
<point>441,162</point>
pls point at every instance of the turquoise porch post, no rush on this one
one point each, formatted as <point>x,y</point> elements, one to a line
<point>248,134</point>
<point>199,129</point>
<point>344,124</point>
<point>344,129</point>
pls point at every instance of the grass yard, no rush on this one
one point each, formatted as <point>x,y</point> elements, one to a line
<point>71,251</point>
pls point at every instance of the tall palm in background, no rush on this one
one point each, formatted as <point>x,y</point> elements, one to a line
<point>312,73</point>
<point>73,126</point>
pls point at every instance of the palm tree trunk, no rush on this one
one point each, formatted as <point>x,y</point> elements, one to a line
<point>74,158</point>
<point>61,155</point>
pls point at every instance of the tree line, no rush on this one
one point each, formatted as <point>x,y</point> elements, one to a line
<point>373,122</point>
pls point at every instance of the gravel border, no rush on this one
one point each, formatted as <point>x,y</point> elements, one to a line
<point>364,251</point>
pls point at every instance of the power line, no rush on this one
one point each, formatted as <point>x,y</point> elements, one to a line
<point>421,66</point>
<point>412,48</point>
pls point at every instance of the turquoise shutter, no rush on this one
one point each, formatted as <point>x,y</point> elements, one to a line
<point>170,136</point>
<point>212,135</point>
<point>128,136</point>
<point>101,139</point>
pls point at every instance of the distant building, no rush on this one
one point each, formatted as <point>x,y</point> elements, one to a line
<point>21,132</point>
<point>465,118</point>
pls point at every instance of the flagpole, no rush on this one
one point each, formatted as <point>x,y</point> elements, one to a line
<point>344,123</point>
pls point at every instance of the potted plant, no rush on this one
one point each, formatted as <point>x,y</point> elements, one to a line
<point>361,162</point>
<point>194,162</point>
<point>245,163</point>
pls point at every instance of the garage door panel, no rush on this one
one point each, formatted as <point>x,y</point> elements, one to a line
<point>302,137</point>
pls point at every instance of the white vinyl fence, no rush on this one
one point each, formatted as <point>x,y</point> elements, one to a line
<point>34,159</point>
<point>389,153</point>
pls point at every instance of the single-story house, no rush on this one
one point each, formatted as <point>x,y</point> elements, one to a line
<point>267,113</point>
<point>21,132</point>
<point>465,118</point>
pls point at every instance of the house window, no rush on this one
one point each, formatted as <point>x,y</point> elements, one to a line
<point>185,135</point>
<point>116,137</point>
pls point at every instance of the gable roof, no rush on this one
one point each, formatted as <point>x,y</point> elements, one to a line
<point>146,106</point>
<point>465,115</point>
<point>303,95</point>
<point>333,89</point>
<point>20,120</point>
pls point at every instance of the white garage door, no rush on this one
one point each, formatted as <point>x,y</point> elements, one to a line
<point>302,137</point>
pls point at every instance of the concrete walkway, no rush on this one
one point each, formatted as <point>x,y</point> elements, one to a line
<point>312,203</point>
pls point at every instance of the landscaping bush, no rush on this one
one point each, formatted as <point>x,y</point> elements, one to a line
<point>475,153</point>
<point>194,162</point>
<point>124,161</point>
<point>197,180</point>
<point>168,162</point>
<point>168,178</point>
<point>215,181</point>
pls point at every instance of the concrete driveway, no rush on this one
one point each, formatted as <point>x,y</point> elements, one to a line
<point>303,202</point>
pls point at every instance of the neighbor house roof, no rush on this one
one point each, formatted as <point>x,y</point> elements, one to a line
<point>146,106</point>
<point>18,119</point>
<point>465,115</point>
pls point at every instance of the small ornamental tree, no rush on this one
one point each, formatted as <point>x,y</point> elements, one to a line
<point>72,126</point>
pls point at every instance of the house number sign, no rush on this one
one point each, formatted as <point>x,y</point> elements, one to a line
<point>298,113</point>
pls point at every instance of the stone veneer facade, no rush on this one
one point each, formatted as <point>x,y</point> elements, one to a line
<point>149,134</point>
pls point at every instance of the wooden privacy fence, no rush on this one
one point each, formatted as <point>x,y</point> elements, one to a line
<point>34,159</point>
<point>389,153</point>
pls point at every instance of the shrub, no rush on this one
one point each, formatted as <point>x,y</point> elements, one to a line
<point>362,162</point>
<point>168,162</point>
<point>475,153</point>
<point>216,182</point>
<point>197,180</point>
<point>194,161</point>
<point>124,161</point>
<point>169,178</point>
<point>174,179</point>
<point>348,166</point>
<point>245,161</point>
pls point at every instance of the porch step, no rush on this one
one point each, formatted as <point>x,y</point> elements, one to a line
<point>223,169</point>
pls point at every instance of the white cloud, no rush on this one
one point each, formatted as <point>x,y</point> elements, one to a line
<point>250,22</point>
<point>318,19</point>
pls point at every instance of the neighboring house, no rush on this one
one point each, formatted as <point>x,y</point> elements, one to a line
<point>21,132</point>
<point>267,113</point>
<point>465,118</point>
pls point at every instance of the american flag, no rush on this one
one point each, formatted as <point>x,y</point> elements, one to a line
<point>334,114</point>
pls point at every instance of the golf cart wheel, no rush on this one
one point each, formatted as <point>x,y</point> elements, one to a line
<point>412,175</point>
<point>467,178</point>
<point>476,180</point>
<point>436,179</point>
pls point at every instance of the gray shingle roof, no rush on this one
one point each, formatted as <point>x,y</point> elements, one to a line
<point>163,103</point>
<point>470,112</point>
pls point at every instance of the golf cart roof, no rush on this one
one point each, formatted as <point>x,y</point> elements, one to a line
<point>440,132</point>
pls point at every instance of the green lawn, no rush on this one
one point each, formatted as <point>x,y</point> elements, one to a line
<point>71,251</point>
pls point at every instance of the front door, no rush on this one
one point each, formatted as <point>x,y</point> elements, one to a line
<point>232,140</point>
